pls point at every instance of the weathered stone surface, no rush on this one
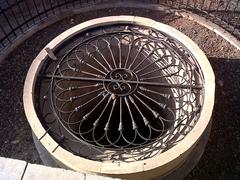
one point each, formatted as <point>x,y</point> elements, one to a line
<point>11,169</point>
<point>34,172</point>
<point>95,177</point>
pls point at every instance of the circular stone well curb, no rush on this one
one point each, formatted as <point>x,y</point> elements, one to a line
<point>145,169</point>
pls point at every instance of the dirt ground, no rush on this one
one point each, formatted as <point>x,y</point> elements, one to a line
<point>221,159</point>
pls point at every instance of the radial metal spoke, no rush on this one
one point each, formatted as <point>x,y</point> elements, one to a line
<point>138,52</point>
<point>144,59</point>
<point>95,107</point>
<point>110,50</point>
<point>106,128</point>
<point>160,76</point>
<point>146,122</point>
<point>70,89</point>
<point>153,100</point>
<point>120,126</point>
<point>93,57</point>
<point>81,61</point>
<point>105,60</point>
<point>91,74</point>
<point>130,46</point>
<point>72,98</point>
<point>167,96</point>
<point>104,109</point>
<point>154,70</point>
<point>86,103</point>
<point>155,114</point>
<point>134,125</point>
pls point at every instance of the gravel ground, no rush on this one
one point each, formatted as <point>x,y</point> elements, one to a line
<point>221,159</point>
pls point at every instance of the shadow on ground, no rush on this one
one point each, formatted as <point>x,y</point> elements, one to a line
<point>221,159</point>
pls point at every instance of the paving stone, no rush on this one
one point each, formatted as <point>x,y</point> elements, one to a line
<point>11,169</point>
<point>38,172</point>
<point>95,177</point>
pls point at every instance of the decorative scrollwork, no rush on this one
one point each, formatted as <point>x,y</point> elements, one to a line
<point>122,87</point>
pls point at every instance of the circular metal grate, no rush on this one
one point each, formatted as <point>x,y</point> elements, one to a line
<point>119,92</point>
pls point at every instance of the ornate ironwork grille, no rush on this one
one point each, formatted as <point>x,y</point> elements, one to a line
<point>119,93</point>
